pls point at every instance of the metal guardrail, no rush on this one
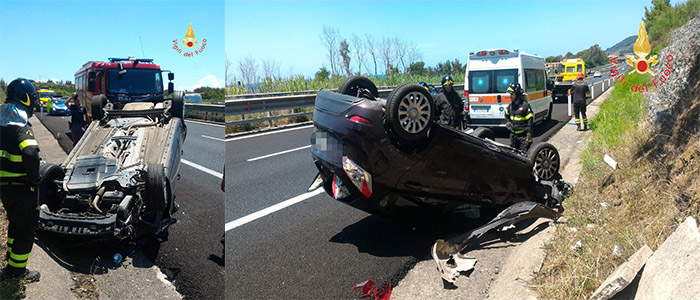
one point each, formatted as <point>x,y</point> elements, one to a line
<point>266,104</point>
<point>210,112</point>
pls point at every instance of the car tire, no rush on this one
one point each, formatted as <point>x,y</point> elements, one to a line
<point>545,161</point>
<point>97,106</point>
<point>484,133</point>
<point>156,188</point>
<point>549,113</point>
<point>177,109</point>
<point>359,86</point>
<point>51,193</point>
<point>410,111</point>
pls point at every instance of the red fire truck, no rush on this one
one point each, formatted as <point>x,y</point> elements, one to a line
<point>120,81</point>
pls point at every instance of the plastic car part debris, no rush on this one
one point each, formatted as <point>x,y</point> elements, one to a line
<point>340,191</point>
<point>368,289</point>
<point>450,268</point>
<point>610,161</point>
<point>447,253</point>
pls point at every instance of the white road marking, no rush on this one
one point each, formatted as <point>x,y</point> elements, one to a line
<point>267,133</point>
<point>205,123</point>
<point>278,153</point>
<point>279,206</point>
<point>201,168</point>
<point>212,138</point>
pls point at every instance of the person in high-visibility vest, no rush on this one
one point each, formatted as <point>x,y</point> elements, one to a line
<point>519,118</point>
<point>19,177</point>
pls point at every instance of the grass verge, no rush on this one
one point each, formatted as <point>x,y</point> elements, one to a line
<point>615,212</point>
<point>9,289</point>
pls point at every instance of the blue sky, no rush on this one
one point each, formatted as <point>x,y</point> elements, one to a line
<point>53,39</point>
<point>288,32</point>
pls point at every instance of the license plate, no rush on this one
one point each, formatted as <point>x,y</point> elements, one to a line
<point>481,110</point>
<point>327,146</point>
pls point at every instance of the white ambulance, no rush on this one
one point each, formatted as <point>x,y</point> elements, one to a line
<point>490,72</point>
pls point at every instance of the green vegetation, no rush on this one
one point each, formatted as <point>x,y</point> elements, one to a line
<point>211,94</point>
<point>661,19</point>
<point>593,56</point>
<point>62,89</point>
<point>623,47</point>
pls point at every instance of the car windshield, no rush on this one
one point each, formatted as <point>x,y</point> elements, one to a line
<point>570,69</point>
<point>135,81</point>
<point>46,94</point>
<point>492,81</point>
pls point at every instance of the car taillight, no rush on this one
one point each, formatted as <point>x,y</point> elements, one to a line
<point>361,120</point>
<point>466,94</point>
<point>502,52</point>
<point>359,177</point>
<point>340,191</point>
<point>481,53</point>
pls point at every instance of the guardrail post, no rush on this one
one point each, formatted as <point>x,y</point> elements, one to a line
<point>568,106</point>
<point>269,122</point>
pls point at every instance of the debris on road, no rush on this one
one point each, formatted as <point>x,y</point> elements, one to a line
<point>577,245</point>
<point>447,254</point>
<point>368,289</point>
<point>610,161</point>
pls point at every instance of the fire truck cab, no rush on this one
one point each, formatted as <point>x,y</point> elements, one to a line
<point>120,81</point>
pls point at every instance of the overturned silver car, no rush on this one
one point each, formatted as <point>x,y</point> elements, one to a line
<point>119,179</point>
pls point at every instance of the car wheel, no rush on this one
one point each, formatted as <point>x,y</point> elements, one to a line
<point>549,113</point>
<point>50,191</point>
<point>484,133</point>
<point>156,188</point>
<point>358,86</point>
<point>178,107</point>
<point>410,110</point>
<point>97,106</point>
<point>545,161</point>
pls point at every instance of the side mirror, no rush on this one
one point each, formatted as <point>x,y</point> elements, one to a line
<point>550,84</point>
<point>171,87</point>
<point>171,76</point>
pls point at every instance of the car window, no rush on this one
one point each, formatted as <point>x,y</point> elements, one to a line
<point>534,80</point>
<point>504,78</point>
<point>579,68</point>
<point>570,69</point>
<point>480,82</point>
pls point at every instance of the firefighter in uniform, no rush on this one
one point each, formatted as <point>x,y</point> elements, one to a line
<point>19,177</point>
<point>578,94</point>
<point>519,118</point>
<point>449,104</point>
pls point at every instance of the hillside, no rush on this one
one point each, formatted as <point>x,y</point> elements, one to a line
<point>623,47</point>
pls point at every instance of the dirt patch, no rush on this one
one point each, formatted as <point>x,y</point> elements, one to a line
<point>85,286</point>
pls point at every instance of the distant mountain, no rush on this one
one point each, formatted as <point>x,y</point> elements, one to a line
<point>623,47</point>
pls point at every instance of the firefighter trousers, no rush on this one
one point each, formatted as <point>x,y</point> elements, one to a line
<point>580,108</point>
<point>519,141</point>
<point>21,203</point>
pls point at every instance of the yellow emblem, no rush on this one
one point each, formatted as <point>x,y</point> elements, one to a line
<point>189,40</point>
<point>642,48</point>
<point>28,102</point>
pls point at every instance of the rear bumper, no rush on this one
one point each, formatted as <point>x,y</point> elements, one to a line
<point>78,225</point>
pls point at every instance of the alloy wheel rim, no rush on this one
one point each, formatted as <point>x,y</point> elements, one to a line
<point>414,112</point>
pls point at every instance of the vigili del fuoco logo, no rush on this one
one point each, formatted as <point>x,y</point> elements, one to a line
<point>640,64</point>
<point>189,43</point>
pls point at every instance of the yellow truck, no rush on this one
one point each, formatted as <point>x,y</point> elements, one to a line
<point>564,80</point>
<point>45,96</point>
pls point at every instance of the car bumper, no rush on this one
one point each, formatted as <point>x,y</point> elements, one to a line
<point>78,225</point>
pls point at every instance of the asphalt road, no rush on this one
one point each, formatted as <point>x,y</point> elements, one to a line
<point>192,257</point>
<point>285,243</point>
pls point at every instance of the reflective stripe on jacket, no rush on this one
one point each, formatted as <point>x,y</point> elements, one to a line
<point>520,117</point>
<point>19,154</point>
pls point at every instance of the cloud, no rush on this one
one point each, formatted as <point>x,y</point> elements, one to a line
<point>208,81</point>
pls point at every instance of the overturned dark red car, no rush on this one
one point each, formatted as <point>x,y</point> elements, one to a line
<point>390,158</point>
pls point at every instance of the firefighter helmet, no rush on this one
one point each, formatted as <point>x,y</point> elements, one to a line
<point>447,80</point>
<point>515,88</point>
<point>22,93</point>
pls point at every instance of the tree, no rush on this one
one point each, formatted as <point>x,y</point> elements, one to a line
<point>3,85</point>
<point>249,71</point>
<point>329,38</point>
<point>227,65</point>
<point>400,50</point>
<point>387,54</point>
<point>359,51</point>
<point>322,74</point>
<point>417,68</point>
<point>271,69</point>
<point>372,50</point>
<point>345,55</point>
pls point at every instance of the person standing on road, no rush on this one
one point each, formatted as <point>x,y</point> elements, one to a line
<point>78,118</point>
<point>19,177</point>
<point>449,104</point>
<point>519,118</point>
<point>578,94</point>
